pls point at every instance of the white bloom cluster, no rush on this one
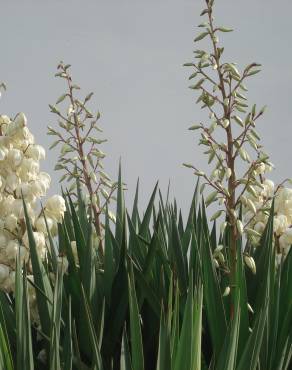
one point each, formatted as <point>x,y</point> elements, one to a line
<point>257,202</point>
<point>20,176</point>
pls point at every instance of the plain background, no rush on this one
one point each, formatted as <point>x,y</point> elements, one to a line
<point>130,53</point>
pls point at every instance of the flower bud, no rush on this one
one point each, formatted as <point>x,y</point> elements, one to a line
<point>218,248</point>
<point>216,264</point>
<point>250,308</point>
<point>250,263</point>
<point>228,173</point>
<point>239,226</point>
<point>223,227</point>
<point>225,123</point>
<point>251,206</point>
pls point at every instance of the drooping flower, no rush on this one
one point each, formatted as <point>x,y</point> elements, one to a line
<point>21,178</point>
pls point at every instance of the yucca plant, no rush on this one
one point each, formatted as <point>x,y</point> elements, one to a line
<point>154,300</point>
<point>153,291</point>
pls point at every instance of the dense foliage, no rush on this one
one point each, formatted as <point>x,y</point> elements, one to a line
<point>154,301</point>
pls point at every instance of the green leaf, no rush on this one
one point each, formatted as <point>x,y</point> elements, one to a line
<point>163,356</point>
<point>6,360</point>
<point>212,294</point>
<point>195,127</point>
<point>241,298</point>
<point>68,346</point>
<point>41,279</point>
<point>125,361</point>
<point>227,358</point>
<point>197,328</point>
<point>23,325</point>
<point>179,259</point>
<point>135,326</point>
<point>55,363</point>
<point>97,360</point>
<point>201,36</point>
<point>197,85</point>
<point>224,29</point>
<point>193,75</point>
<point>249,357</point>
<point>251,73</point>
<point>109,260</point>
<point>143,230</point>
<point>120,214</point>
<point>61,98</point>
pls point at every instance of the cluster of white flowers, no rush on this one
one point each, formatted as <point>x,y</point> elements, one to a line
<point>257,203</point>
<point>20,176</point>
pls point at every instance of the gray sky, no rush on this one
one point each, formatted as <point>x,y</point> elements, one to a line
<point>130,53</point>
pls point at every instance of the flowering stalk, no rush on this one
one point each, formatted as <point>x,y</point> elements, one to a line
<point>21,179</point>
<point>78,126</point>
<point>221,90</point>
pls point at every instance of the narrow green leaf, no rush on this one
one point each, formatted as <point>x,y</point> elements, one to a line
<point>41,279</point>
<point>97,360</point>
<point>201,36</point>
<point>135,326</point>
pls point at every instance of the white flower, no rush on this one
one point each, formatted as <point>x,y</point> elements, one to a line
<point>39,239</point>
<point>3,153</point>
<point>12,181</point>
<point>25,189</point>
<point>55,207</point>
<point>14,157</point>
<point>284,243</point>
<point>11,222</point>
<point>6,205</point>
<point>282,196</point>
<point>280,224</point>
<point>16,208</point>
<point>35,152</point>
<point>269,188</point>
<point>287,235</point>
<point>12,249</point>
<point>4,120</point>
<point>45,179</point>
<point>37,188</point>
<point>259,227</point>
<point>3,240</point>
<point>41,226</point>
<point>9,283</point>
<point>4,272</point>
<point>20,120</point>
<point>20,176</point>
<point>260,169</point>
<point>28,169</point>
